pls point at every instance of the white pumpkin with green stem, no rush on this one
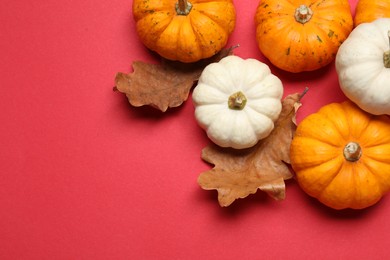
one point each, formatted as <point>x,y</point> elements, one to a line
<point>363,66</point>
<point>237,101</point>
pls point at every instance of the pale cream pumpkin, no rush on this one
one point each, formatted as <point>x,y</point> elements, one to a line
<point>237,101</point>
<point>363,66</point>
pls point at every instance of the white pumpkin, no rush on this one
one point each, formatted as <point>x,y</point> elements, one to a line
<point>237,101</point>
<point>363,66</point>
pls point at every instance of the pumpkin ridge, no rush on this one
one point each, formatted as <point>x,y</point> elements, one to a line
<point>142,9</point>
<point>197,2</point>
<point>314,137</point>
<point>324,161</point>
<point>367,76</point>
<point>369,10</point>
<point>258,113</point>
<point>359,196</point>
<point>327,37</point>
<point>223,84</point>
<point>365,38</point>
<point>250,119</point>
<point>203,112</point>
<point>184,30</point>
<point>301,145</point>
<point>200,39</point>
<point>374,145</point>
<point>277,34</point>
<point>211,19</point>
<point>321,40</point>
<point>332,37</point>
<point>373,156</point>
<point>328,114</point>
<point>352,114</point>
<point>364,80</point>
<point>237,138</point>
<point>257,76</point>
<point>253,90</point>
<point>217,94</point>
<point>324,114</point>
<point>144,20</point>
<point>200,9</point>
<point>379,177</point>
<point>369,169</point>
<point>323,197</point>
<point>374,77</point>
<point>173,38</point>
<point>287,6</point>
<point>334,173</point>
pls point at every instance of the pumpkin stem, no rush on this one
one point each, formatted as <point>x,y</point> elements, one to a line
<point>183,7</point>
<point>303,14</point>
<point>386,54</point>
<point>237,101</point>
<point>352,152</point>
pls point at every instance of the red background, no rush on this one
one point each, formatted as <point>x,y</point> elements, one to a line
<point>84,175</point>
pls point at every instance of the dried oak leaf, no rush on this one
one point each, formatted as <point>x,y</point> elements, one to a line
<point>239,173</point>
<point>162,85</point>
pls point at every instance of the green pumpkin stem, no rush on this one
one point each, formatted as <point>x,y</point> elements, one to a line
<point>352,152</point>
<point>386,54</point>
<point>183,7</point>
<point>303,14</point>
<point>237,101</point>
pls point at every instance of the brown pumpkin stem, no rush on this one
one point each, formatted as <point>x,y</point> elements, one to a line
<point>386,54</point>
<point>183,7</point>
<point>303,14</point>
<point>237,101</point>
<point>352,152</point>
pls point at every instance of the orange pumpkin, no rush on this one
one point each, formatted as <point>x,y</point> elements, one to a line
<point>183,30</point>
<point>370,10</point>
<point>341,156</point>
<point>302,35</point>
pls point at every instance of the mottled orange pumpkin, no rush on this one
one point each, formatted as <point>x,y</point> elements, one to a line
<point>183,30</point>
<point>370,10</point>
<point>302,35</point>
<point>341,156</point>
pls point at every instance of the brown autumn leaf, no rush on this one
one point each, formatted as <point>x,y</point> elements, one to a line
<point>162,85</point>
<point>239,173</point>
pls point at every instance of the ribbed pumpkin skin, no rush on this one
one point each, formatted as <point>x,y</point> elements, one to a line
<point>370,10</point>
<point>200,34</point>
<point>318,160</point>
<point>363,66</point>
<point>295,47</point>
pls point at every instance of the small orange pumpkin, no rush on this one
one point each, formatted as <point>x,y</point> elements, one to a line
<point>369,10</point>
<point>341,156</point>
<point>302,35</point>
<point>183,30</point>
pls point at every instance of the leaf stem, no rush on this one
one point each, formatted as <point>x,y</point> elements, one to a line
<point>303,93</point>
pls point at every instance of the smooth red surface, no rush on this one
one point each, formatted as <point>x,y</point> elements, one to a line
<point>84,175</point>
